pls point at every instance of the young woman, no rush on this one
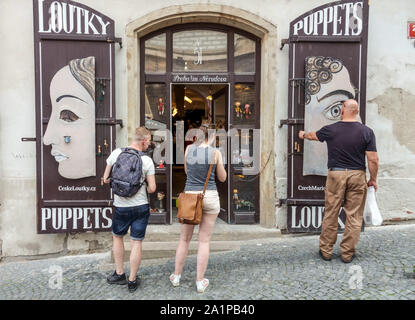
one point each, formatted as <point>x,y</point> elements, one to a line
<point>198,157</point>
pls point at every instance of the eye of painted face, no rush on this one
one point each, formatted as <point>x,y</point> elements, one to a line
<point>333,112</point>
<point>68,116</point>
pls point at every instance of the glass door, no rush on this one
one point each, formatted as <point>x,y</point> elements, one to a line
<point>219,114</point>
<point>157,120</point>
<point>244,155</point>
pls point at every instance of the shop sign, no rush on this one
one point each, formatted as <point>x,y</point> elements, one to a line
<point>75,116</point>
<point>411,30</point>
<point>62,17</point>
<point>199,78</point>
<point>328,62</point>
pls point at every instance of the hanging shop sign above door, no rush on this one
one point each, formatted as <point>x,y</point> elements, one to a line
<point>328,59</point>
<point>75,116</point>
<point>68,18</point>
<point>342,18</point>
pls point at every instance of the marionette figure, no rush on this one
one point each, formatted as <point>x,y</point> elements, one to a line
<point>246,203</point>
<point>247,111</point>
<point>236,198</point>
<point>159,203</point>
<point>161,106</point>
<point>238,109</point>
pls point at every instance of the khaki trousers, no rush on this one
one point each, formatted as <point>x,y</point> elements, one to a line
<point>351,186</point>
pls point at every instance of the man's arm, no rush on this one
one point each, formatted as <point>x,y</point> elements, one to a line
<point>373,164</point>
<point>151,183</point>
<point>107,172</point>
<point>309,136</point>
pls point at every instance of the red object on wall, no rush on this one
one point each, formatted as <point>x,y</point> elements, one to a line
<point>411,30</point>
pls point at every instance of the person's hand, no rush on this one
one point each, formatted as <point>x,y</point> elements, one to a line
<point>103,180</point>
<point>301,134</point>
<point>373,183</point>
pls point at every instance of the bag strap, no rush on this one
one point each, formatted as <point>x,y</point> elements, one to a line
<point>210,171</point>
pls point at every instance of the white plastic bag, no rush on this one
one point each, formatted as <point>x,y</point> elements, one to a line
<point>371,214</point>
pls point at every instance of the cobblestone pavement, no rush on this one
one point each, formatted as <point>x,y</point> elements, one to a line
<point>284,268</point>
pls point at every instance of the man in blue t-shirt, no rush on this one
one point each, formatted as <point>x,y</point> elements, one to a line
<point>348,142</point>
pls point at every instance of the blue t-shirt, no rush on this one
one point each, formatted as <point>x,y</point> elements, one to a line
<point>347,143</point>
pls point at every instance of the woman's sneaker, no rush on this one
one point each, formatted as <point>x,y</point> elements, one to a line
<point>117,278</point>
<point>175,279</point>
<point>202,285</point>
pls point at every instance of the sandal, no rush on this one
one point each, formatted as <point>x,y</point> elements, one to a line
<point>202,285</point>
<point>175,279</point>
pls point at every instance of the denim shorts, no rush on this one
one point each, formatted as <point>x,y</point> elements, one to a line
<point>136,217</point>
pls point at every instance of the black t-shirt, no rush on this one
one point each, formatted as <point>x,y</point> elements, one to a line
<point>347,143</point>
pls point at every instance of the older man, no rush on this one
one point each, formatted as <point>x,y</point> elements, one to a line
<point>348,141</point>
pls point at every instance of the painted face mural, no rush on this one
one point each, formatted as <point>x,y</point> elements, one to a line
<point>327,85</point>
<point>71,128</point>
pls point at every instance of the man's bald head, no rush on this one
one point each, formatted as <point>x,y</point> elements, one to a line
<point>351,108</point>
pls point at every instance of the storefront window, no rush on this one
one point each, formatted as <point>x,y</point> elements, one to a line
<point>242,148</point>
<point>244,108</point>
<point>157,116</point>
<point>200,50</point>
<point>243,197</point>
<point>156,109</point>
<point>158,202</point>
<point>155,54</point>
<point>244,54</point>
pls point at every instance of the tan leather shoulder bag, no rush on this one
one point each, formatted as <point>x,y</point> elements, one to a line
<point>190,205</point>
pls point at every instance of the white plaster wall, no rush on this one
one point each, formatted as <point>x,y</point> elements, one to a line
<point>390,66</point>
<point>17,120</point>
<point>391,69</point>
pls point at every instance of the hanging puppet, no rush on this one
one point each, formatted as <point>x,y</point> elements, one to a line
<point>247,111</point>
<point>236,201</point>
<point>161,106</point>
<point>238,109</point>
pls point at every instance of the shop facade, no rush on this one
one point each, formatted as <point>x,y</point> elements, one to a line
<point>167,67</point>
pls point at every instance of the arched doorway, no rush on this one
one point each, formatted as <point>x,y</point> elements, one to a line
<point>169,70</point>
<point>196,72</point>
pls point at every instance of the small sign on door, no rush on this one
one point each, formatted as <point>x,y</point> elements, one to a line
<point>411,29</point>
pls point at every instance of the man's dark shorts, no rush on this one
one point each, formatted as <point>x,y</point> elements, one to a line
<point>136,217</point>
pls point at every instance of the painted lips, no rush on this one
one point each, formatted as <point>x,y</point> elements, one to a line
<point>59,156</point>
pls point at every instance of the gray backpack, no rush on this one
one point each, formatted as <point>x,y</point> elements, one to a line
<point>126,173</point>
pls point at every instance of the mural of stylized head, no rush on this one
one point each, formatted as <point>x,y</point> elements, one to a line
<point>71,128</point>
<point>327,86</point>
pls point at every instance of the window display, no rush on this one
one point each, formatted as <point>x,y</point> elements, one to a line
<point>244,104</point>
<point>157,199</point>
<point>243,198</point>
